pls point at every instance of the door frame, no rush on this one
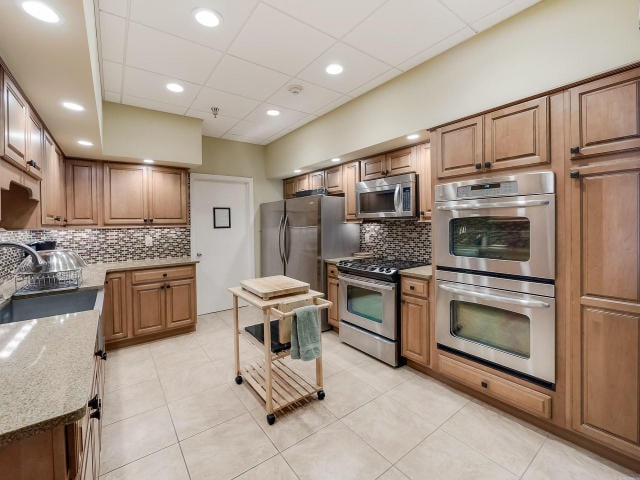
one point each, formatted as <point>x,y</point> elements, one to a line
<point>205,177</point>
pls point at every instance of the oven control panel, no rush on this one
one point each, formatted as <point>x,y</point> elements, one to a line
<point>497,189</point>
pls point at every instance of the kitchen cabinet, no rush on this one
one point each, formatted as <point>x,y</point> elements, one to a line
<point>15,123</point>
<point>393,163</point>
<point>35,146</point>
<point>149,309</point>
<point>332,296</point>
<point>53,204</point>
<point>296,184</point>
<point>423,169</point>
<point>181,303</point>
<point>605,301</point>
<point>115,318</point>
<point>458,148</point>
<point>414,317</point>
<point>167,195</point>
<point>373,167</point>
<point>333,179</point>
<point>316,180</point>
<point>82,192</point>
<point>604,115</point>
<point>350,176</point>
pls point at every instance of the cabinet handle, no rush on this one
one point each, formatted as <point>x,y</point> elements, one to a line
<point>145,220</point>
<point>95,403</point>
<point>484,384</point>
<point>487,164</point>
<point>57,219</point>
<point>164,274</point>
<point>574,174</point>
<point>102,354</point>
<point>412,287</point>
<point>574,150</point>
<point>32,163</point>
<point>478,166</point>
<point>151,220</point>
<point>168,286</point>
<point>95,414</point>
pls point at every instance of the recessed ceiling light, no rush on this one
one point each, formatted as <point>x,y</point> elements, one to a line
<point>147,160</point>
<point>334,160</point>
<point>41,11</point>
<point>334,69</point>
<point>207,17</point>
<point>273,112</point>
<point>175,87</point>
<point>297,170</point>
<point>413,136</point>
<point>76,107</point>
<point>85,143</point>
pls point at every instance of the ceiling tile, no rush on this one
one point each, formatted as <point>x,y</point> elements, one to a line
<point>117,7</point>
<point>499,15</point>
<point>323,16</point>
<point>160,52</point>
<point>471,11</point>
<point>152,104</point>
<point>273,124</point>
<point>375,82</point>
<point>245,78</point>
<point>309,100</point>
<point>358,68</point>
<point>230,105</point>
<point>401,29</point>
<point>217,127</point>
<point>143,84</point>
<point>112,36</point>
<point>112,76</point>
<point>176,17</point>
<point>258,125</point>
<point>449,42</point>
<point>278,41</point>
<point>333,105</point>
<point>112,97</point>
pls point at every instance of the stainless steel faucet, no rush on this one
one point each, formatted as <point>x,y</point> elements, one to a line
<point>38,261</point>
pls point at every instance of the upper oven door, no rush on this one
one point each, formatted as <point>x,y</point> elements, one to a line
<point>387,197</point>
<point>369,304</point>
<point>510,235</point>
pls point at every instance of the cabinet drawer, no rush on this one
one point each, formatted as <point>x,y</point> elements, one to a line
<point>521,397</point>
<point>332,270</point>
<point>415,286</point>
<point>160,274</point>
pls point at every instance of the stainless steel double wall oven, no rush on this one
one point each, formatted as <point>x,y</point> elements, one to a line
<point>495,276</point>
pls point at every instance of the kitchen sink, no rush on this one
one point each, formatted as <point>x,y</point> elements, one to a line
<point>28,308</point>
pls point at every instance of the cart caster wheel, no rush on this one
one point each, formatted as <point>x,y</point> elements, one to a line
<point>321,395</point>
<point>271,419</point>
<point>239,379</point>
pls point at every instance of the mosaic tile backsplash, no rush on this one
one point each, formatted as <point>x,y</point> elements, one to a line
<point>97,245</point>
<point>397,239</point>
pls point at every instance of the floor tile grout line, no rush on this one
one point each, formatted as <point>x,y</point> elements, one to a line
<point>140,458</point>
<point>534,457</point>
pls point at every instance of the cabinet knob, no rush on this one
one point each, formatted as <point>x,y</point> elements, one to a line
<point>574,150</point>
<point>574,174</point>
<point>412,287</point>
<point>164,274</point>
<point>422,212</point>
<point>95,402</point>
<point>95,414</point>
<point>32,163</point>
<point>484,384</point>
<point>57,219</point>
<point>145,220</point>
<point>487,164</point>
<point>478,166</point>
<point>168,286</point>
<point>151,220</point>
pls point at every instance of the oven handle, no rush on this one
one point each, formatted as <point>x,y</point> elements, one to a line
<point>497,298</point>
<point>363,283</point>
<point>396,198</point>
<point>483,206</point>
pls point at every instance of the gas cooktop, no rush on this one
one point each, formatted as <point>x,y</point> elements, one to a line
<point>380,268</point>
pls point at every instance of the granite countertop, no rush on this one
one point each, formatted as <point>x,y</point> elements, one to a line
<point>333,261</point>
<point>418,272</point>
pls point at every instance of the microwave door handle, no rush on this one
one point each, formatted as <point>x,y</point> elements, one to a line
<point>397,200</point>
<point>483,206</point>
<point>496,298</point>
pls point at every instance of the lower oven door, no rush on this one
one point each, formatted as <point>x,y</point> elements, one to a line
<point>369,304</point>
<point>511,329</point>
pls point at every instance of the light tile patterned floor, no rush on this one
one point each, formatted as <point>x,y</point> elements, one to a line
<point>173,412</point>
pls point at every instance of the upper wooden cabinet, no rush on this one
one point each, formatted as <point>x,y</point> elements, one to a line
<point>142,195</point>
<point>82,192</point>
<point>333,179</point>
<point>35,146</point>
<point>15,123</point>
<point>316,180</point>
<point>423,169</point>
<point>289,188</point>
<point>53,202</point>
<point>350,176</point>
<point>393,163</point>
<point>296,184</point>
<point>517,136</point>
<point>605,115</point>
<point>458,148</point>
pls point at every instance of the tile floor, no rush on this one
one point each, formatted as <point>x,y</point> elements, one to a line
<point>172,411</point>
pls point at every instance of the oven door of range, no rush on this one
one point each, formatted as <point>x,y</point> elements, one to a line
<point>369,304</point>
<point>512,329</point>
<point>511,235</point>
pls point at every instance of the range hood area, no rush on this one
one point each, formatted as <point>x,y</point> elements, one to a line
<point>19,198</point>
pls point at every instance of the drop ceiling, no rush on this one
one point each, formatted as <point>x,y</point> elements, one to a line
<point>246,65</point>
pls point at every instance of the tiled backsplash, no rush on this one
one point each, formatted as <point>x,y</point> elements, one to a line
<point>398,239</point>
<point>98,245</point>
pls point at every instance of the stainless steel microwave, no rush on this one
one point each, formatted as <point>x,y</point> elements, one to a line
<point>390,197</point>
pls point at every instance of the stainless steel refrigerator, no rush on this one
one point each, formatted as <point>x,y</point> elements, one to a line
<point>299,234</point>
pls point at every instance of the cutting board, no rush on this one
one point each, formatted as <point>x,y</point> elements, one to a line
<point>276,286</point>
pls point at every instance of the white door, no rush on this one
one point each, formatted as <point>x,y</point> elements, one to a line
<point>226,254</point>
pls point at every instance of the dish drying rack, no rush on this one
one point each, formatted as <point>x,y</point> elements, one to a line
<point>62,272</point>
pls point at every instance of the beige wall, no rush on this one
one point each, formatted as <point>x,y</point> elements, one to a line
<point>554,43</point>
<point>237,159</point>
<point>137,133</point>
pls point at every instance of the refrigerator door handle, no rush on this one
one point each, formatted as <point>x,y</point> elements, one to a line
<point>280,230</point>
<point>286,242</point>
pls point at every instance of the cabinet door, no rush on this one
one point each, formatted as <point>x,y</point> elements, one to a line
<point>181,303</point>
<point>415,329</point>
<point>605,115</point>
<point>316,180</point>
<point>372,168</point>
<point>15,124</point>
<point>401,161</point>
<point>302,183</point>
<point>125,194</point>
<point>333,179</point>
<point>289,188</point>
<point>424,181</point>
<point>35,147</point>
<point>82,192</point>
<point>149,308</point>
<point>167,195</point>
<point>114,311</point>
<point>458,148</point>
<point>517,136</point>
<point>351,175</point>
<point>52,205</point>
<point>605,302</point>
<point>332,296</point>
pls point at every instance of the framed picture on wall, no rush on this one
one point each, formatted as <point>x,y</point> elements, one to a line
<point>221,217</point>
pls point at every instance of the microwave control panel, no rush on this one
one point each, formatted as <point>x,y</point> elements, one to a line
<point>501,189</point>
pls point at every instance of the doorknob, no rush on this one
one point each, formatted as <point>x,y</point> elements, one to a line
<point>198,254</point>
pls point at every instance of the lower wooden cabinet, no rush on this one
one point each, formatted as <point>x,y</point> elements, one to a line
<point>149,310</point>
<point>180,303</point>
<point>414,318</point>
<point>114,310</point>
<point>333,296</point>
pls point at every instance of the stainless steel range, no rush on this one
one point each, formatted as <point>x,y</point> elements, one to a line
<point>369,306</point>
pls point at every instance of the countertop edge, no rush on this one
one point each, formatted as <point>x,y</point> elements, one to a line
<point>425,272</point>
<point>44,426</point>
